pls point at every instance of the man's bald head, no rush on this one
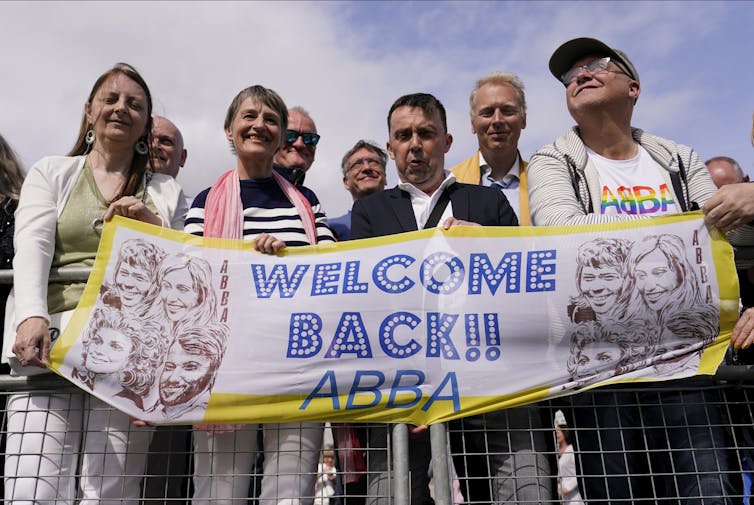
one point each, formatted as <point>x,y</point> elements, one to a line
<point>725,170</point>
<point>168,153</point>
<point>298,154</point>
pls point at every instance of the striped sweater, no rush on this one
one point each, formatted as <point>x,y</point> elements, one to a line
<point>558,170</point>
<point>266,210</point>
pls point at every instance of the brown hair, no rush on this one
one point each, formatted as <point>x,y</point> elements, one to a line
<point>11,177</point>
<point>139,162</point>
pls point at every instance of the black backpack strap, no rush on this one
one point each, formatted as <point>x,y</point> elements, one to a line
<point>675,178</point>
<point>440,206</point>
<point>575,179</point>
<point>684,196</point>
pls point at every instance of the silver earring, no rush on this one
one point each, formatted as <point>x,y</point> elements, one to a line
<point>89,139</point>
<point>141,147</point>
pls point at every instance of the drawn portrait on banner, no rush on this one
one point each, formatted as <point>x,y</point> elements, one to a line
<point>683,339</point>
<point>189,371</point>
<point>119,351</point>
<point>154,337</point>
<point>133,288</point>
<point>670,295</point>
<point>186,303</point>
<point>638,300</point>
<point>185,295</point>
<point>602,281</point>
<point>602,350</point>
<point>122,348</point>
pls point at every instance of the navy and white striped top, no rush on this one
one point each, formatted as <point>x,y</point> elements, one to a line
<point>266,209</point>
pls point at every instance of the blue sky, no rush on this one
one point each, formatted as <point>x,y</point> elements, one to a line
<point>346,62</point>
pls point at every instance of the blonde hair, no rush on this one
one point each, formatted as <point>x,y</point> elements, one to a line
<point>500,78</point>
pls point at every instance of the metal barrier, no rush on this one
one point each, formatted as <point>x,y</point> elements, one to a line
<point>687,441</point>
<point>711,462</point>
<point>676,442</point>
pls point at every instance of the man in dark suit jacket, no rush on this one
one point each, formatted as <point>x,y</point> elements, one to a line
<point>390,211</point>
<point>418,143</point>
<point>426,197</point>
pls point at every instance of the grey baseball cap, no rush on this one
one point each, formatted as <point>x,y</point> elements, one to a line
<point>563,58</point>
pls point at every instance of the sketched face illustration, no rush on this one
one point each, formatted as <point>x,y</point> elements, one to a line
<point>133,284</point>
<point>107,351</point>
<point>596,356</point>
<point>680,363</point>
<point>656,280</point>
<point>603,289</point>
<point>601,286</point>
<point>616,347</point>
<point>178,294</point>
<point>184,376</point>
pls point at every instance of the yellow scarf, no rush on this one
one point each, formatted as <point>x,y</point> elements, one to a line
<point>468,172</point>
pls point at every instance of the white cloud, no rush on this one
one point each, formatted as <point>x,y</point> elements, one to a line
<point>347,62</point>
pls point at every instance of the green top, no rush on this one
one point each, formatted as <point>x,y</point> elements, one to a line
<point>76,242</point>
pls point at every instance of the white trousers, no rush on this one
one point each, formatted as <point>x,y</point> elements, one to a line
<point>53,437</point>
<point>223,463</point>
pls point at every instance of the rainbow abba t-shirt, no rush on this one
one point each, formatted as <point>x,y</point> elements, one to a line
<point>633,187</point>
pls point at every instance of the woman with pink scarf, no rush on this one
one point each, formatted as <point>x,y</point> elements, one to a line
<point>252,202</point>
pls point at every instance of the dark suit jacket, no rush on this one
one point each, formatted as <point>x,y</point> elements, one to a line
<point>390,212</point>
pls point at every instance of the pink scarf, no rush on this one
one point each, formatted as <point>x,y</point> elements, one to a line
<point>223,211</point>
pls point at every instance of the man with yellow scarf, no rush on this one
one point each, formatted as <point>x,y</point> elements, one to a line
<point>498,114</point>
<point>517,464</point>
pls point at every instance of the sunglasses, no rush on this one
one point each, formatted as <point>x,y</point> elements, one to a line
<point>310,139</point>
<point>595,67</point>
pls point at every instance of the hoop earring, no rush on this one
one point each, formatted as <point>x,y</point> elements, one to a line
<point>90,135</point>
<point>141,147</point>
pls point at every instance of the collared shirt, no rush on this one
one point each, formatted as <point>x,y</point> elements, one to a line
<point>423,203</point>
<point>509,184</point>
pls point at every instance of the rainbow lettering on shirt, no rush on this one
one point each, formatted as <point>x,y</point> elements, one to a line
<point>636,200</point>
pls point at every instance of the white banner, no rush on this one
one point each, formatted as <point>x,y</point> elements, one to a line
<point>419,327</point>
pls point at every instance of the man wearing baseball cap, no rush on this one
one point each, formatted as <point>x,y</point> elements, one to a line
<point>603,170</point>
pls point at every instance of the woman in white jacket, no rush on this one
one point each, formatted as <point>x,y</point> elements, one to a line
<point>63,203</point>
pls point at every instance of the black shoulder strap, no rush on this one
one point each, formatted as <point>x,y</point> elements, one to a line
<point>575,178</point>
<point>675,178</point>
<point>684,196</point>
<point>440,206</point>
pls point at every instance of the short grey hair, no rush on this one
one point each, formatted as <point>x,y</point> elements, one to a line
<point>303,112</point>
<point>368,145</point>
<point>265,96</point>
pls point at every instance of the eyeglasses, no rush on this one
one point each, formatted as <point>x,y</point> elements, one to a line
<point>592,68</point>
<point>310,139</point>
<point>364,162</point>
